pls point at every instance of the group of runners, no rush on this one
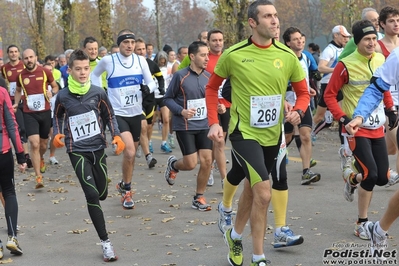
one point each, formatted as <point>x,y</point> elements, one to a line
<point>258,92</point>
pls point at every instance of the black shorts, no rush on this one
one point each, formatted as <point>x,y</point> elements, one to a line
<point>38,123</point>
<point>130,124</point>
<point>191,141</point>
<point>306,121</point>
<point>159,102</point>
<point>148,110</point>
<point>321,101</point>
<point>251,160</point>
<point>224,120</point>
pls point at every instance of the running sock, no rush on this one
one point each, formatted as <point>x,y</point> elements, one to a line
<point>341,138</point>
<point>173,166</point>
<point>258,257</point>
<point>320,126</point>
<point>234,235</point>
<point>305,170</point>
<point>198,195</point>
<point>229,191</point>
<point>298,142</point>
<point>279,203</point>
<point>127,186</point>
<point>379,230</point>
<point>147,155</point>
<point>362,220</point>
<point>353,180</point>
<point>163,142</point>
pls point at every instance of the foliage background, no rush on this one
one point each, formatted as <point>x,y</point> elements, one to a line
<point>52,26</point>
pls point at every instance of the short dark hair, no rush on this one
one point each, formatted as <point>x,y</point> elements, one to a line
<point>194,47</point>
<point>141,40</point>
<point>253,9</point>
<point>148,44</point>
<point>387,12</point>
<point>288,32</point>
<point>47,64</point>
<point>181,48</point>
<point>12,46</point>
<point>213,32</point>
<point>314,46</point>
<point>89,40</point>
<point>49,58</point>
<point>78,54</point>
<point>200,34</point>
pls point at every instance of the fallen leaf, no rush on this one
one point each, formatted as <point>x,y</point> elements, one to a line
<point>165,220</point>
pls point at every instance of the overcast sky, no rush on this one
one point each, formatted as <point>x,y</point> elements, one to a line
<point>149,4</point>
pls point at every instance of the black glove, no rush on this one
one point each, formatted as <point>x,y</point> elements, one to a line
<point>21,158</point>
<point>392,118</point>
<point>161,91</point>
<point>144,90</point>
<point>344,120</point>
<point>315,75</point>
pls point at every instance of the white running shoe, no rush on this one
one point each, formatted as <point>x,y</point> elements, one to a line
<point>211,180</point>
<point>53,160</point>
<point>393,178</point>
<point>108,251</point>
<point>362,230</point>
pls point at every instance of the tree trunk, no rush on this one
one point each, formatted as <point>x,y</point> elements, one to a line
<point>158,19</point>
<point>39,29</point>
<point>66,23</point>
<point>104,13</point>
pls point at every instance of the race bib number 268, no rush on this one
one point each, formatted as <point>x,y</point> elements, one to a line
<point>265,110</point>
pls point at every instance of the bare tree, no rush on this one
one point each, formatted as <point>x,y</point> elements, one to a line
<point>158,19</point>
<point>66,21</point>
<point>231,18</point>
<point>104,19</point>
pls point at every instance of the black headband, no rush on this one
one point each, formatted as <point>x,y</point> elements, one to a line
<point>359,33</point>
<point>124,37</point>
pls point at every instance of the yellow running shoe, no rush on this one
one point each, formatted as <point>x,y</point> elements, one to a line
<point>42,166</point>
<point>39,182</point>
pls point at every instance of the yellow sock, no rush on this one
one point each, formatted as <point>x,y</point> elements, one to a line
<point>279,203</point>
<point>229,191</point>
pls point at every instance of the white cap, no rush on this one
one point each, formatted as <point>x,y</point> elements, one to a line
<point>341,29</point>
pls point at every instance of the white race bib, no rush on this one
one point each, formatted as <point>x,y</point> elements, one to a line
<point>200,107</point>
<point>221,89</point>
<point>328,117</point>
<point>130,97</point>
<point>13,88</point>
<point>36,102</point>
<point>265,111</point>
<point>395,94</point>
<point>376,118</point>
<point>84,126</point>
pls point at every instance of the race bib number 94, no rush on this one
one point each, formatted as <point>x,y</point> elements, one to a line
<point>84,126</point>
<point>376,118</point>
<point>265,111</point>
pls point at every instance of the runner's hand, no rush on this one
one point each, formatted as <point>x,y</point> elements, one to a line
<point>22,167</point>
<point>215,133</point>
<point>120,145</point>
<point>57,141</point>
